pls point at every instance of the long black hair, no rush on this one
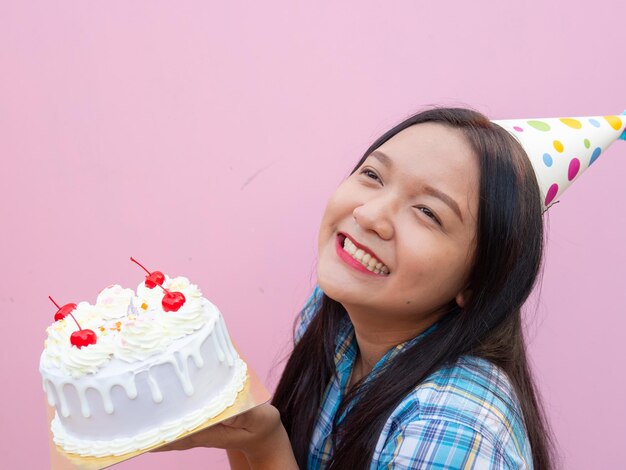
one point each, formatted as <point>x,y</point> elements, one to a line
<point>507,263</point>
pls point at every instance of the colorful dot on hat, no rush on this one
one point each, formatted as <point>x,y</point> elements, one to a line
<point>558,146</point>
<point>574,166</point>
<point>547,159</point>
<point>573,123</point>
<point>587,143</point>
<point>518,129</point>
<point>551,193</point>
<point>594,156</point>
<point>614,121</point>
<point>594,123</point>
<point>539,125</point>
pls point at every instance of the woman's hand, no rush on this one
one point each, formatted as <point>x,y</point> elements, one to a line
<point>258,434</point>
<point>244,432</point>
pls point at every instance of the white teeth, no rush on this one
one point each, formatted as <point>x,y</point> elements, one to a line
<point>367,260</point>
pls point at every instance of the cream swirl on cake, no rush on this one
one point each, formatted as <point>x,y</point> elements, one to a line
<point>141,336</point>
<point>149,299</point>
<point>57,340</point>
<point>77,362</point>
<point>114,301</point>
<point>190,316</point>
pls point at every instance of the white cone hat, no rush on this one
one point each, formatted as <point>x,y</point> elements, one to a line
<point>561,149</point>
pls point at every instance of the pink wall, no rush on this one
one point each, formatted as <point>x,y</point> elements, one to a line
<point>204,138</point>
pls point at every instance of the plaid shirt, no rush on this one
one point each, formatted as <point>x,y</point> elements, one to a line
<point>465,416</point>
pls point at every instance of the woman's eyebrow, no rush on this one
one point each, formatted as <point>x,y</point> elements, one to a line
<point>382,158</point>
<point>451,203</point>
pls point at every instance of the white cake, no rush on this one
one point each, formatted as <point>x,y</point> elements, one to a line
<point>150,376</point>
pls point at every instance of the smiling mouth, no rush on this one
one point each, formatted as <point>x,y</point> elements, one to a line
<point>362,257</point>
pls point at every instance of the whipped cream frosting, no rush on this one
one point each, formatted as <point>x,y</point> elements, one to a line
<point>114,300</point>
<point>130,326</point>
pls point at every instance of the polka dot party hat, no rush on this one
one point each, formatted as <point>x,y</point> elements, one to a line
<point>561,149</point>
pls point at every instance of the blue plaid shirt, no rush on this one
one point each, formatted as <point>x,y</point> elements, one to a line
<point>465,416</point>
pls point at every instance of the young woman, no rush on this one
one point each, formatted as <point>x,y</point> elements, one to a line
<point>410,351</point>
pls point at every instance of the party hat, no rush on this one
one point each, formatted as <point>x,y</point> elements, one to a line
<point>561,149</point>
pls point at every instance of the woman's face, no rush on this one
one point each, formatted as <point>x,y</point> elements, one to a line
<point>412,207</point>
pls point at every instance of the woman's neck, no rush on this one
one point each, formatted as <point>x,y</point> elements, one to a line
<point>375,340</point>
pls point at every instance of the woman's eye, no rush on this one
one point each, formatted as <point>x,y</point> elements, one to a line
<point>370,174</point>
<point>430,214</point>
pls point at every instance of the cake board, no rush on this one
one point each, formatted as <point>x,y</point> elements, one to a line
<point>253,394</point>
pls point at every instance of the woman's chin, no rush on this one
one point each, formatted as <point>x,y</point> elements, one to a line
<point>340,285</point>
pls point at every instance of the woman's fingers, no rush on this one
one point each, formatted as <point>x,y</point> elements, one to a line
<point>245,431</point>
<point>257,420</point>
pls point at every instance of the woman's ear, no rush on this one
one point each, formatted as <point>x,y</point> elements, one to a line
<point>463,297</point>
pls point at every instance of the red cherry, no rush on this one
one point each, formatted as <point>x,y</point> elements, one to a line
<point>155,278</point>
<point>62,312</point>
<point>82,338</point>
<point>172,301</point>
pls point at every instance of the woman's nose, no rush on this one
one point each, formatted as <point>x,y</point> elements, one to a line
<point>374,215</point>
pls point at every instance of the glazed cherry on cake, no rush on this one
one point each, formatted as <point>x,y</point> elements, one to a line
<point>84,337</point>
<point>154,278</point>
<point>62,312</point>
<point>172,301</point>
<point>80,338</point>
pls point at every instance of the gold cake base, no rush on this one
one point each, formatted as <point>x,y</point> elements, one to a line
<point>252,395</point>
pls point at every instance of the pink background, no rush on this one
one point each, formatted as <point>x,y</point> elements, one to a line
<point>204,138</point>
